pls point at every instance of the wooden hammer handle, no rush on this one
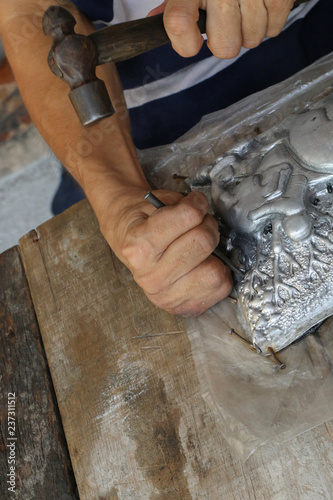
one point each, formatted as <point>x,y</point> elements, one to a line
<point>125,40</point>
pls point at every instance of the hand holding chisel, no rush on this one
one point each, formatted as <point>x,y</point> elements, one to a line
<point>217,252</point>
<point>169,250</point>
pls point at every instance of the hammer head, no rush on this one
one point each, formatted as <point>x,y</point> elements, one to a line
<point>91,102</point>
<point>58,20</point>
<point>73,58</point>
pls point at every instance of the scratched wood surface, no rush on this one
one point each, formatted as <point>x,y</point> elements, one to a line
<point>41,460</point>
<point>136,424</point>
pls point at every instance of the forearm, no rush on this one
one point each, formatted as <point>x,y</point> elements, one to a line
<point>102,158</point>
<point>169,250</point>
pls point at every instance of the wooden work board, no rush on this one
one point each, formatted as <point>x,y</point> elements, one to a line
<point>32,439</point>
<point>135,421</point>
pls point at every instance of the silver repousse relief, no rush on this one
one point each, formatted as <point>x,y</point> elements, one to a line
<point>274,195</point>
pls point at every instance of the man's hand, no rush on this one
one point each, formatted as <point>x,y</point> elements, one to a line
<point>169,250</point>
<point>231,24</point>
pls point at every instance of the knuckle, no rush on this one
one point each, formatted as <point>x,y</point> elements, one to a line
<point>199,201</point>
<point>136,253</point>
<point>187,50</point>
<point>273,5</point>
<point>178,20</point>
<point>207,239</point>
<point>165,301</point>
<point>224,51</point>
<point>251,43</point>
<point>216,273</point>
<point>192,215</point>
<point>152,285</point>
<point>273,31</point>
<point>279,6</point>
<point>278,11</point>
<point>129,254</point>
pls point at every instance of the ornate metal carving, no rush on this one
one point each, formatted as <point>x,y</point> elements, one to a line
<point>274,195</point>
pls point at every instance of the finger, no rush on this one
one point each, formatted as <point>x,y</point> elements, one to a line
<point>168,197</point>
<point>169,223</point>
<point>278,12</point>
<point>224,33</point>
<point>182,256</point>
<point>148,237</point>
<point>157,10</point>
<point>254,22</point>
<point>180,21</point>
<point>190,250</point>
<point>197,291</point>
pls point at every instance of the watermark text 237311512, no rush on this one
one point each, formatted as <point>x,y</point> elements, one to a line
<point>11,442</point>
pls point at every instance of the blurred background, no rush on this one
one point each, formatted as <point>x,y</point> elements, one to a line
<point>29,172</point>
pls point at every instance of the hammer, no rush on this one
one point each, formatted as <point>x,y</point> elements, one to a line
<point>74,57</point>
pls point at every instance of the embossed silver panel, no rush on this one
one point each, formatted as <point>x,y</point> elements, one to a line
<point>274,195</point>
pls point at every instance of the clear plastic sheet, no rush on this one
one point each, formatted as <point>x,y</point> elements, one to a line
<point>218,132</point>
<point>273,195</point>
<point>255,403</point>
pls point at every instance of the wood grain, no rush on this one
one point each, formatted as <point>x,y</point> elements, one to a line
<point>136,423</point>
<point>43,468</point>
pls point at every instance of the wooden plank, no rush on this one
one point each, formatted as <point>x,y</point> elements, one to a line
<point>129,394</point>
<point>33,442</point>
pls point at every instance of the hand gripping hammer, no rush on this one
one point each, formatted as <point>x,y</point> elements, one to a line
<point>74,57</point>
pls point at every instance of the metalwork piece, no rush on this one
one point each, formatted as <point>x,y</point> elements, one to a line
<point>274,196</point>
<point>217,252</point>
